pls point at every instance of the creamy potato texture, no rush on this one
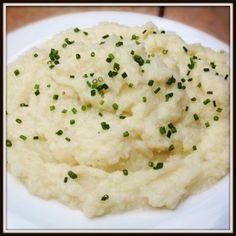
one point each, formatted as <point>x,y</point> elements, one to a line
<point>112,118</point>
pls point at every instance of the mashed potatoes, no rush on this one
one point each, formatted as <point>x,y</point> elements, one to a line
<point>113,118</point>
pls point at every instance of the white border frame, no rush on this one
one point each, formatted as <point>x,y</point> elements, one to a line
<point>5,230</point>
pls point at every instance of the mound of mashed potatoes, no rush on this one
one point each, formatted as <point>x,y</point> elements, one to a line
<point>113,118</point>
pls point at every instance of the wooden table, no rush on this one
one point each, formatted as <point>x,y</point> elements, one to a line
<point>213,20</point>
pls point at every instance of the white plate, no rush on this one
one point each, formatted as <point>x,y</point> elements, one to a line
<point>208,210</point>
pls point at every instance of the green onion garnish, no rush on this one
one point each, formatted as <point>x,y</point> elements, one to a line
<point>74,110</point>
<point>18,120</point>
<point>207,124</point>
<point>144,99</point>
<point>195,116</point>
<point>72,175</point>
<point>194,147</point>
<point>59,132</point>
<point>115,106</point>
<point>16,72</point>
<point>104,197</point>
<point>52,108</point>
<point>126,134</point>
<point>23,137</point>
<point>72,122</point>
<point>105,126</point>
<point>118,44</point>
<point>159,165</point>
<point>171,147</point>
<point>55,96</point>
<point>206,101</point>
<point>124,75</point>
<point>8,143</point>
<point>125,172</point>
<point>162,130</point>
<point>206,69</point>
<point>150,82</point>
<point>216,118</point>
<point>168,96</point>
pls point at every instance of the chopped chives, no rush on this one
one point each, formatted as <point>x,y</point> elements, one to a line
<point>64,45</point>
<point>214,103</point>
<point>68,41</point>
<point>196,117</point>
<point>216,118</point>
<point>194,147</point>
<point>125,134</point>
<point>193,99</point>
<point>206,101</point>
<point>118,44</point>
<point>190,79</point>
<point>37,92</point>
<point>150,82</point>
<point>36,86</point>
<point>144,31</point>
<point>16,72</point>
<point>36,137</point>
<point>207,124</point>
<point>162,130</point>
<point>125,172</point>
<point>104,197</point>
<point>199,85</point>
<point>219,109</point>
<point>55,96</point>
<point>59,132</point>
<point>168,135</point>
<point>72,122</point>
<point>164,51</point>
<point>138,59</point>
<point>35,55</point>
<point>92,54</point>
<point>171,147</point>
<point>76,30</point>
<point>186,108</point>
<point>52,108</point>
<point>85,33</point>
<point>100,114</point>
<point>74,110</point>
<point>159,165</point>
<point>105,36</point>
<point>8,143</point>
<point>105,126</point>
<point>72,76</point>
<point>144,99</point>
<point>116,66</point>
<point>124,75</point>
<point>67,139</point>
<point>168,96</point>
<point>171,80</point>
<point>115,106</point>
<point>77,56</point>
<point>172,128</point>
<point>209,92</point>
<point>185,49</point>
<point>64,111</point>
<point>83,108</point>
<point>226,76</point>
<point>213,66</point>
<point>23,137</point>
<point>130,85</point>
<point>72,175</point>
<point>157,90</point>
<point>122,117</point>
<point>65,179</point>
<point>206,69</point>
<point>93,92</point>
<point>163,31</point>
<point>18,120</point>
<point>150,164</point>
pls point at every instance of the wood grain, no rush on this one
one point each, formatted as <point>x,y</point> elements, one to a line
<point>213,20</point>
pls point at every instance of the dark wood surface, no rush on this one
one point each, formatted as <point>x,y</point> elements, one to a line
<point>213,20</point>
